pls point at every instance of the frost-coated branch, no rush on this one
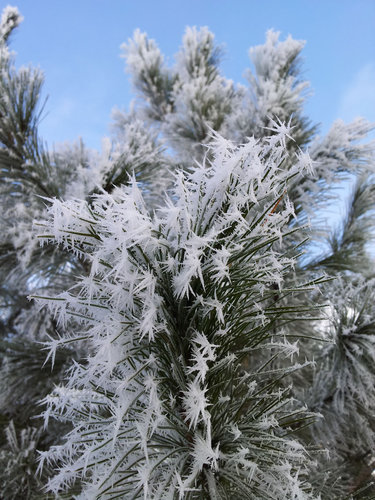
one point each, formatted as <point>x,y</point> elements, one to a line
<point>173,305</point>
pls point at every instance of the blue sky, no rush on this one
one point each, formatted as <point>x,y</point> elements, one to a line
<point>77,45</point>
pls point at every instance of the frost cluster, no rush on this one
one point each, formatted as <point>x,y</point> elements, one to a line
<point>153,407</point>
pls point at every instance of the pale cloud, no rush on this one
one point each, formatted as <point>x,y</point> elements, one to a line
<point>359,97</point>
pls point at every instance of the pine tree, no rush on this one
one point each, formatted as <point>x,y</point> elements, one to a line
<point>208,337</point>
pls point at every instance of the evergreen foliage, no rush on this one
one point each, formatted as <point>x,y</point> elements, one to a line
<point>189,334</point>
